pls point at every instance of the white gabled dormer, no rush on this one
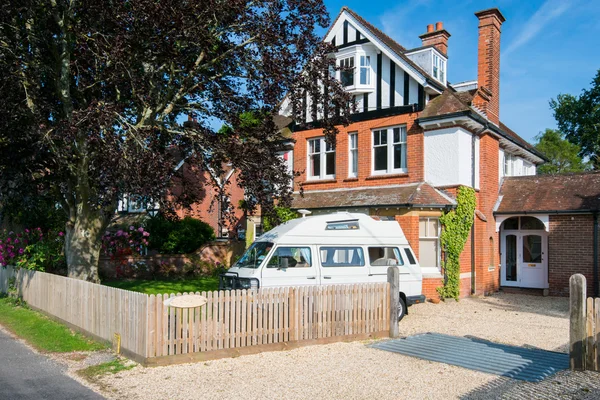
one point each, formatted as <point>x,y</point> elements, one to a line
<point>432,61</point>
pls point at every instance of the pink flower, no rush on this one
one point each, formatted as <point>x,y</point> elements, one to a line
<point>26,230</point>
<point>140,229</point>
<point>131,228</point>
<point>21,251</point>
<point>8,240</point>
<point>146,234</point>
<point>61,234</point>
<point>119,232</point>
<point>16,241</point>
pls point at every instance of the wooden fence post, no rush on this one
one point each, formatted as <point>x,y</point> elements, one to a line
<point>577,318</point>
<point>393,277</point>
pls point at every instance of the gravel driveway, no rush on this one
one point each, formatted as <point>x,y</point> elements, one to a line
<point>354,371</point>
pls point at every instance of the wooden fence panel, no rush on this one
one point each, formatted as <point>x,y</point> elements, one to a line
<point>584,326</point>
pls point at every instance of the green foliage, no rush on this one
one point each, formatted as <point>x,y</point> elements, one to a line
<point>39,211</point>
<point>563,155</point>
<point>457,224</point>
<point>178,236</point>
<point>282,214</point>
<point>160,286</point>
<point>41,332</point>
<point>579,118</point>
<point>93,372</point>
<point>33,249</point>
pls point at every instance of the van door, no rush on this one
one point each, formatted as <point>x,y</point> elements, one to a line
<point>342,265</point>
<point>290,266</point>
<point>383,257</point>
<point>410,274</point>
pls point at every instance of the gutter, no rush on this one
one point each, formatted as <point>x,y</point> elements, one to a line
<point>546,212</point>
<point>377,206</point>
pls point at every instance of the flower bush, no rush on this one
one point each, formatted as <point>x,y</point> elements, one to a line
<point>32,249</point>
<point>123,243</point>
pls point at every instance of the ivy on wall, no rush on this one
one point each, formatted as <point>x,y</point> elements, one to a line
<point>457,224</point>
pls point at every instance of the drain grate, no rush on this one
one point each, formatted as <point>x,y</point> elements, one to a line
<point>530,365</point>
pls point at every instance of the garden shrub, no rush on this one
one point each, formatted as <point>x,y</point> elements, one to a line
<point>33,249</point>
<point>178,236</point>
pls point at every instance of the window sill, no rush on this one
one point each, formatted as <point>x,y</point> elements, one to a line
<point>387,176</point>
<point>317,181</point>
<point>351,179</point>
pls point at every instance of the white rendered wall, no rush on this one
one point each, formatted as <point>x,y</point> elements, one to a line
<point>448,157</point>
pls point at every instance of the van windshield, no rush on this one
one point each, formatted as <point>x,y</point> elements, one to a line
<point>254,255</point>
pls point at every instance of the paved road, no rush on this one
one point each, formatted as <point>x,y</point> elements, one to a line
<point>26,375</point>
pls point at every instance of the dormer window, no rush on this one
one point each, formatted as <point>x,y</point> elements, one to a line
<point>347,72</point>
<point>439,68</point>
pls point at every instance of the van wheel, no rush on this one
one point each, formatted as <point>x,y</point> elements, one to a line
<point>401,309</point>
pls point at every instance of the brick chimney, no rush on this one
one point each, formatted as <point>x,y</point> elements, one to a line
<point>487,98</point>
<point>437,37</point>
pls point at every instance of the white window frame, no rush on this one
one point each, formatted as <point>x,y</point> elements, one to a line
<point>357,52</point>
<point>439,68</point>
<point>324,150</point>
<point>352,154</point>
<point>428,237</point>
<point>390,151</point>
<point>508,164</point>
<point>341,62</point>
<point>367,67</point>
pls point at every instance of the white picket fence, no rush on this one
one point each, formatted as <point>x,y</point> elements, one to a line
<point>230,323</point>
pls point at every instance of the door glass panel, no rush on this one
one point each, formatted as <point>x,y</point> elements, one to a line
<point>531,223</point>
<point>532,249</point>
<point>511,258</point>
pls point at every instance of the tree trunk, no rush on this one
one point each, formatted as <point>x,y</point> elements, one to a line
<point>83,241</point>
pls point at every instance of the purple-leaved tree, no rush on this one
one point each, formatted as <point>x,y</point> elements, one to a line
<point>93,93</point>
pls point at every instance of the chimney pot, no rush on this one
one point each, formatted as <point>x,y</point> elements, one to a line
<point>429,28</point>
<point>439,26</point>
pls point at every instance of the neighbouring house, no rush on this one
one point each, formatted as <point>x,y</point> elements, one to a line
<point>416,138</point>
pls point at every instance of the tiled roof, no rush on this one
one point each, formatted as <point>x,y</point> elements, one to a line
<point>415,194</point>
<point>448,102</point>
<point>547,193</point>
<point>524,143</point>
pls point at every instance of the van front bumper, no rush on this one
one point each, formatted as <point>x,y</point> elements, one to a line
<point>410,300</point>
<point>232,281</point>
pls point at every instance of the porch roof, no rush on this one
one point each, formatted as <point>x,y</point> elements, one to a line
<point>547,194</point>
<point>418,194</point>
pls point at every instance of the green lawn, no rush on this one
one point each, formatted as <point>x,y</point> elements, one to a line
<point>166,286</point>
<point>41,332</point>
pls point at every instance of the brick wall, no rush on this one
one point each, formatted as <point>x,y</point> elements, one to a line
<point>414,154</point>
<point>570,248</point>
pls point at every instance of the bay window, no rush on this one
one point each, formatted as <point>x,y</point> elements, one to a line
<point>321,159</point>
<point>389,150</point>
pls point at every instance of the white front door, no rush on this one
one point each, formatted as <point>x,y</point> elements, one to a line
<point>524,259</point>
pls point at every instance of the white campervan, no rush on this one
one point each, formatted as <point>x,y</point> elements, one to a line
<point>340,248</point>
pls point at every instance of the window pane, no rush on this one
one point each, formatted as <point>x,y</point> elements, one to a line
<point>532,249</point>
<point>364,77</point>
<point>354,162</point>
<point>511,258</point>
<point>423,227</point>
<point>384,256</point>
<point>398,156</point>
<point>428,252</point>
<point>409,255</point>
<point>297,257</point>
<point>330,164</point>
<point>315,165</point>
<point>342,257</point>
<point>353,141</point>
<point>432,227</point>
<point>531,223</point>
<point>511,223</point>
<point>376,138</point>
<point>380,158</point>
<point>383,135</point>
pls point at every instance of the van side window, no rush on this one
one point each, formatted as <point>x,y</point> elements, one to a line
<point>342,257</point>
<point>297,257</point>
<point>409,255</point>
<point>385,256</point>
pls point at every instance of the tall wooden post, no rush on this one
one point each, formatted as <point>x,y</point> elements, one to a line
<point>577,318</point>
<point>393,277</point>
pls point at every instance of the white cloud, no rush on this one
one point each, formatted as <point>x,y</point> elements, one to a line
<point>550,10</point>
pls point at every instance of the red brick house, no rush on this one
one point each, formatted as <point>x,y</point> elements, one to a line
<point>414,139</point>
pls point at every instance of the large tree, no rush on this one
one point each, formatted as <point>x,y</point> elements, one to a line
<point>563,155</point>
<point>93,94</point>
<point>579,118</point>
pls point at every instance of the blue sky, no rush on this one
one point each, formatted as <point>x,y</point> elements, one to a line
<point>547,47</point>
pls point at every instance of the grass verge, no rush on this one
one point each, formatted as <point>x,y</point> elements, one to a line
<point>159,286</point>
<point>112,367</point>
<point>41,332</point>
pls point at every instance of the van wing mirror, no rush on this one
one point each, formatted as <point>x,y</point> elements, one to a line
<point>283,262</point>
